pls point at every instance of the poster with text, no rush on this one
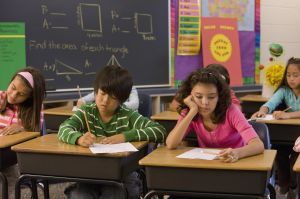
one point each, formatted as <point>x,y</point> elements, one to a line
<point>220,44</point>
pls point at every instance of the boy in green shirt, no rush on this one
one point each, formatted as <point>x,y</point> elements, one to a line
<point>108,117</point>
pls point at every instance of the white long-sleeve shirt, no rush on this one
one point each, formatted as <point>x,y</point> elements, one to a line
<point>132,102</point>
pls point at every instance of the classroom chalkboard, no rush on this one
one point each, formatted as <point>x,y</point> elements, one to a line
<point>70,40</point>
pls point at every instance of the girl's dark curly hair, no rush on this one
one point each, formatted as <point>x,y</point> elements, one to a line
<point>206,76</point>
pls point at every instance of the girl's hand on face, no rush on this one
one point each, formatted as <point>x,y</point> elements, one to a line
<point>280,115</point>
<point>115,139</point>
<point>189,101</point>
<point>297,145</point>
<point>2,98</point>
<point>86,139</point>
<point>229,155</point>
<point>12,129</point>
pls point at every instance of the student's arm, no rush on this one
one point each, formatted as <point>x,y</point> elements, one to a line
<point>142,128</point>
<point>86,99</point>
<point>270,106</point>
<point>286,115</point>
<point>133,100</point>
<point>73,128</point>
<point>253,143</point>
<point>175,136</point>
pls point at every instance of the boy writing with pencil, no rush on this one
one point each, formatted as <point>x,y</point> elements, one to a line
<point>107,117</point>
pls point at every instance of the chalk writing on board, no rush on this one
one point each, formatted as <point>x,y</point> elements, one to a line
<point>70,40</point>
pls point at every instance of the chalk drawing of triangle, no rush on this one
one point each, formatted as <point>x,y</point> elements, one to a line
<point>65,69</point>
<point>113,61</point>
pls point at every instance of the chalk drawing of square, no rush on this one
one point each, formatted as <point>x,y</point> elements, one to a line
<point>90,17</point>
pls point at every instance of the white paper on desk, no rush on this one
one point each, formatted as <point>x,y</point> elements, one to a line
<point>74,108</point>
<point>200,153</point>
<point>112,148</point>
<point>267,117</point>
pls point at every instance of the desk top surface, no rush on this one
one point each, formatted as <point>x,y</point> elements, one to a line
<point>254,98</point>
<point>62,110</point>
<point>297,165</point>
<point>166,115</point>
<point>163,157</point>
<point>10,140</point>
<point>283,122</point>
<point>50,144</point>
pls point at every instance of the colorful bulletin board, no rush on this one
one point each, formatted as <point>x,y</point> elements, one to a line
<point>12,51</point>
<point>220,41</point>
<point>246,11</point>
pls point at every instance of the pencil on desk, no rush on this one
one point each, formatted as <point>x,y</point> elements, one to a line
<point>79,93</point>
<point>288,108</point>
<point>87,124</point>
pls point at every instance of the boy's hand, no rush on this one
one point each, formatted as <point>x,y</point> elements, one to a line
<point>115,139</point>
<point>12,129</point>
<point>86,139</point>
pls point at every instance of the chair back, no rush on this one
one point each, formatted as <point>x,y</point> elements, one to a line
<point>263,132</point>
<point>145,106</point>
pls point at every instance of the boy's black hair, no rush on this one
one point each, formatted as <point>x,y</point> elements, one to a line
<point>115,81</point>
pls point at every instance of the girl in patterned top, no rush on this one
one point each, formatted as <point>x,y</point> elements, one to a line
<point>21,104</point>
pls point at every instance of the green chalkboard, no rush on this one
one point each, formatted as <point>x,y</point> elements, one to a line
<point>70,40</point>
<point>12,51</point>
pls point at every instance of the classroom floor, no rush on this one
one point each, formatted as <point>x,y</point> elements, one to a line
<point>56,190</point>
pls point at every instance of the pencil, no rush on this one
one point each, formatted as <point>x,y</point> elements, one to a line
<point>79,93</point>
<point>87,124</point>
<point>288,108</point>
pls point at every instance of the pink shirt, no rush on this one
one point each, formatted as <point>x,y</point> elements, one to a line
<point>234,132</point>
<point>234,99</point>
<point>10,116</point>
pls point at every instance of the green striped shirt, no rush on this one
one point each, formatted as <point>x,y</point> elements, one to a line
<point>133,125</point>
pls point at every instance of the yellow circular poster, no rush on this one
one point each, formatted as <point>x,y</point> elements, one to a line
<point>220,47</point>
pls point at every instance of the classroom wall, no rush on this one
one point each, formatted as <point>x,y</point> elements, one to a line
<point>280,23</point>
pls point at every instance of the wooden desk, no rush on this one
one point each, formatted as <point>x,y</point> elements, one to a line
<point>48,158</point>
<point>283,131</point>
<point>8,157</point>
<point>251,103</point>
<point>55,116</point>
<point>167,174</point>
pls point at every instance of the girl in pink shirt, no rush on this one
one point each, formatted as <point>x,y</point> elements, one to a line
<point>21,103</point>
<point>207,110</point>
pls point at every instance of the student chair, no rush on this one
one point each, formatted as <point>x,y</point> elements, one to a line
<point>145,108</point>
<point>263,132</point>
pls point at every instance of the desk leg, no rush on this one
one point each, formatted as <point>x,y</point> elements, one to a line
<point>34,189</point>
<point>18,187</point>
<point>4,186</point>
<point>33,179</point>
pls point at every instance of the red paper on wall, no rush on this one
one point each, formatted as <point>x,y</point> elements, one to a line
<point>220,44</point>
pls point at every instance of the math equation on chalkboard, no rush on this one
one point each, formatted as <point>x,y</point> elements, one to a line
<point>70,40</point>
